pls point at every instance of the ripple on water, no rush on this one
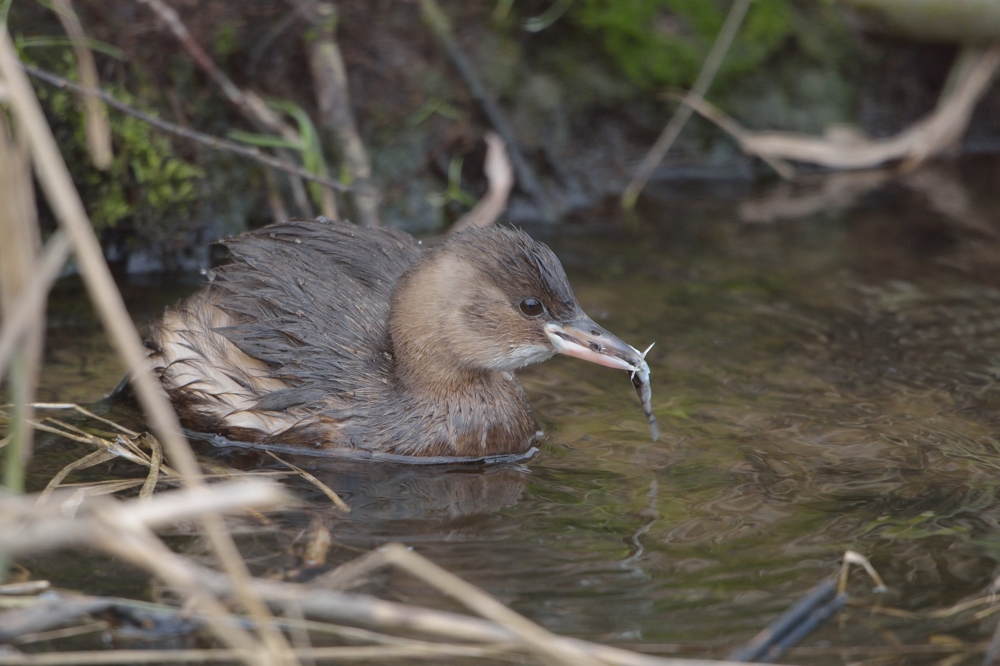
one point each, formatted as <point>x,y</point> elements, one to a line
<point>820,386</point>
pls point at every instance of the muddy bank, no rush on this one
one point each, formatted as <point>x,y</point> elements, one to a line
<point>585,97</point>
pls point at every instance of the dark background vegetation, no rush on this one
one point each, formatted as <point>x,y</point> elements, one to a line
<point>586,97</point>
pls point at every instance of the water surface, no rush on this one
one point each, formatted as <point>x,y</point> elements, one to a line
<point>824,380</point>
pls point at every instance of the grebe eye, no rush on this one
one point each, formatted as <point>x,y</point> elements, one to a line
<point>531,307</point>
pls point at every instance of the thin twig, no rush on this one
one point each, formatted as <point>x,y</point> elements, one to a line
<point>478,601</point>
<point>365,610</point>
<point>936,133</point>
<point>433,652</point>
<point>96,126</point>
<point>330,78</point>
<point>526,178</point>
<point>229,89</point>
<point>19,255</point>
<point>994,648</point>
<point>155,461</point>
<point>86,412</point>
<point>136,544</point>
<point>32,299</point>
<point>26,527</point>
<point>249,104</point>
<point>683,113</point>
<point>178,130</point>
<point>339,503</point>
<point>88,628</point>
<point>89,460</point>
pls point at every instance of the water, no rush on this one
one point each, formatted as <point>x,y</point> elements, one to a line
<point>823,382</point>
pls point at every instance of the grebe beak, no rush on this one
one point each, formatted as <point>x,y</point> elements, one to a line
<point>585,339</point>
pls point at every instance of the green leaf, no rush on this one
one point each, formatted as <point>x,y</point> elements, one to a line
<point>263,140</point>
<point>93,44</point>
<point>312,150</point>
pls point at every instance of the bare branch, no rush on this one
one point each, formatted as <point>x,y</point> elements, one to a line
<point>501,178</point>
<point>204,139</point>
<point>701,85</point>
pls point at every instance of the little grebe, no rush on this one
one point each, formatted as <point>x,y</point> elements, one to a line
<point>322,333</point>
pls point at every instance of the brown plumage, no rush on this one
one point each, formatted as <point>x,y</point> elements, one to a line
<point>327,334</point>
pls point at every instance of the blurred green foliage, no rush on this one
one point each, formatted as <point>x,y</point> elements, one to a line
<point>309,147</point>
<point>664,42</point>
<point>226,43</point>
<point>148,186</point>
<point>789,66</point>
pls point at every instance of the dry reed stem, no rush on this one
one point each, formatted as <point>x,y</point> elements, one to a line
<point>82,434</point>
<point>86,412</point>
<point>297,630</point>
<point>86,438</point>
<point>500,175</point>
<point>365,610</point>
<point>122,531</point>
<point>351,572</point>
<point>942,613</point>
<point>937,133</point>
<point>701,85</point>
<point>318,544</point>
<point>25,587</point>
<point>18,256</point>
<point>96,126</point>
<point>333,496</point>
<point>541,640</point>
<point>68,632</point>
<point>46,614</point>
<point>428,651</point>
<point>146,458</point>
<point>121,447</point>
<point>37,615</point>
<point>26,527</point>
<point>475,599</point>
<point>94,458</point>
<point>333,99</point>
<point>136,544</point>
<point>32,300</point>
<point>155,463</point>
<point>97,489</point>
<point>852,557</point>
<point>66,204</point>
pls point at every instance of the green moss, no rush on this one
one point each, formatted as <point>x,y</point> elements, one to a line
<point>147,186</point>
<point>225,43</point>
<point>664,42</point>
<point>788,68</point>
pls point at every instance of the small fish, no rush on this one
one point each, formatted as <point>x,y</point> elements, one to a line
<point>640,380</point>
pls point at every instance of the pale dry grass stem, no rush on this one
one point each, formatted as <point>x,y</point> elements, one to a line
<point>326,490</point>
<point>123,530</point>
<point>68,208</point>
